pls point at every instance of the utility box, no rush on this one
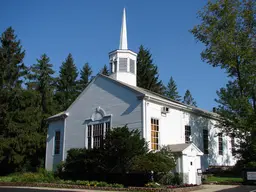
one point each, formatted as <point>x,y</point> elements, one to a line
<point>199,176</point>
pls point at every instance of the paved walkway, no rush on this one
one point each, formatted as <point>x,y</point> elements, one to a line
<point>227,188</point>
<point>207,188</point>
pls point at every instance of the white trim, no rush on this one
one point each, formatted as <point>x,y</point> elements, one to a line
<point>64,139</point>
<point>46,151</point>
<point>53,150</point>
<point>144,119</point>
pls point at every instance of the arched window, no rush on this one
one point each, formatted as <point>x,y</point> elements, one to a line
<point>97,127</point>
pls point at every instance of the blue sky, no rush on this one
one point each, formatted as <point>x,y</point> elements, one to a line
<point>91,29</point>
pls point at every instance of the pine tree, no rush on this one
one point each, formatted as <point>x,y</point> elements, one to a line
<point>147,72</point>
<point>105,70</point>
<point>188,99</point>
<point>171,90</point>
<point>43,80</point>
<point>85,76</point>
<point>67,89</point>
<point>227,30</point>
<point>19,123</point>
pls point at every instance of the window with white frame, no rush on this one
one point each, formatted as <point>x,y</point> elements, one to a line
<point>96,133</point>
<point>187,133</point>
<point>233,144</point>
<point>154,134</point>
<point>220,141</point>
<point>205,141</point>
<point>57,143</point>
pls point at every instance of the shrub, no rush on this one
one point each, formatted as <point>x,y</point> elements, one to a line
<point>177,179</point>
<point>251,164</point>
<point>116,185</point>
<point>152,185</point>
<point>167,179</point>
<point>78,182</point>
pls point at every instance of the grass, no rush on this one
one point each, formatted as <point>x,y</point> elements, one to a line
<point>224,179</point>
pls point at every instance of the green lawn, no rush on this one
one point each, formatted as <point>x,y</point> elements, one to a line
<point>223,179</point>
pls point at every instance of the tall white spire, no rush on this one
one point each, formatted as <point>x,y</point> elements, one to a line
<point>123,36</point>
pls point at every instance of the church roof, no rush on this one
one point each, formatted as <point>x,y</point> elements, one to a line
<point>181,147</point>
<point>178,147</point>
<point>146,92</point>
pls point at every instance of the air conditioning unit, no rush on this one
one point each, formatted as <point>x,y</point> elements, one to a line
<point>165,110</point>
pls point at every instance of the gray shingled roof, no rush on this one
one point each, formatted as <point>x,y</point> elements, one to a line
<point>178,147</point>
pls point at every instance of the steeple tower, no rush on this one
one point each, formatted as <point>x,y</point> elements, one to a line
<point>123,35</point>
<point>123,61</point>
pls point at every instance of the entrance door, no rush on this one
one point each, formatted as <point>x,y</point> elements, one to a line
<point>191,171</point>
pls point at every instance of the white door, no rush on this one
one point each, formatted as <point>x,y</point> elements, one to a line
<point>191,171</point>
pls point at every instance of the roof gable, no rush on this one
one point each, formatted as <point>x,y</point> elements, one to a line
<point>185,148</point>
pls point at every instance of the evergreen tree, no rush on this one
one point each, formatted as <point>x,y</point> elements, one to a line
<point>67,83</point>
<point>105,70</point>
<point>18,109</point>
<point>171,90</point>
<point>188,99</point>
<point>227,30</point>
<point>85,76</point>
<point>43,81</point>
<point>147,72</point>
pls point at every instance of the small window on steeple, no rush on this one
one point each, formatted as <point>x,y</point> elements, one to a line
<point>123,64</point>
<point>132,66</point>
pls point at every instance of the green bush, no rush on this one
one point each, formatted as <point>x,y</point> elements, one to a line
<point>153,185</point>
<point>167,179</point>
<point>177,179</point>
<point>116,185</point>
<point>251,164</point>
<point>87,183</point>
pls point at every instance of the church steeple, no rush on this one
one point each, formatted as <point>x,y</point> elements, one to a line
<point>123,35</point>
<point>123,61</point>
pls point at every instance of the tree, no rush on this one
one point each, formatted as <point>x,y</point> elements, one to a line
<point>19,110</point>
<point>147,72</point>
<point>67,83</point>
<point>227,30</point>
<point>171,90</point>
<point>43,81</point>
<point>121,146</point>
<point>105,70</point>
<point>158,162</point>
<point>85,75</point>
<point>188,99</point>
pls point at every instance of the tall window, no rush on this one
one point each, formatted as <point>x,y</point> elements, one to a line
<point>233,144</point>
<point>89,136</point>
<point>205,140</point>
<point>187,133</point>
<point>98,131</point>
<point>57,143</point>
<point>154,134</point>
<point>95,134</point>
<point>220,138</point>
<point>107,124</point>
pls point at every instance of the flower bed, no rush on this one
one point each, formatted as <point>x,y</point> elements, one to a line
<point>181,188</point>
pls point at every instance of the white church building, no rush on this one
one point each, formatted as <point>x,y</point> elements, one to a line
<point>115,100</point>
